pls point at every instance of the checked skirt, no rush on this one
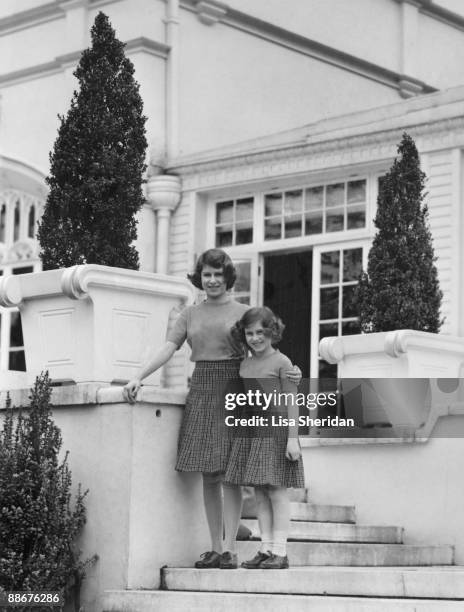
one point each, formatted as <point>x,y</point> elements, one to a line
<point>204,440</point>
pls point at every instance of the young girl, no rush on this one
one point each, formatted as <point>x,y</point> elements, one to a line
<point>268,457</point>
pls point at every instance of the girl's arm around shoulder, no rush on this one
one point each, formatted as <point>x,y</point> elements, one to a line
<point>290,389</point>
<point>289,385</point>
<point>292,372</point>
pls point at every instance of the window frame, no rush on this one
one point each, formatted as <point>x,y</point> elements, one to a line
<point>10,198</point>
<point>340,245</point>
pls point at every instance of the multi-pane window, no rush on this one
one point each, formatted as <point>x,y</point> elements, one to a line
<point>339,274</point>
<point>19,213</point>
<point>320,209</point>
<point>234,222</point>
<point>242,287</point>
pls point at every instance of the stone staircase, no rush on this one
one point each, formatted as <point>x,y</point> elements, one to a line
<point>336,566</point>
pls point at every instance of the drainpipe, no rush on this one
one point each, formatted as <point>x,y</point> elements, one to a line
<point>172,78</point>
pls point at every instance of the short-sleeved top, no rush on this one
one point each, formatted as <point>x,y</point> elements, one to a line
<point>206,327</point>
<point>269,371</point>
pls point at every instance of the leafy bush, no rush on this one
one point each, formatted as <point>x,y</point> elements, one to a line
<point>97,163</point>
<point>400,289</point>
<point>38,524</point>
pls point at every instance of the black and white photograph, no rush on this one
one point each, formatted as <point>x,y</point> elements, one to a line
<point>231,297</point>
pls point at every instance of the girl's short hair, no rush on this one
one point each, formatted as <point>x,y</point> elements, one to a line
<point>272,325</point>
<point>216,258</point>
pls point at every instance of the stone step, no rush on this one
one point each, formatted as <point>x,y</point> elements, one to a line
<point>180,601</point>
<point>411,582</point>
<point>298,495</point>
<point>331,553</point>
<point>320,513</point>
<point>335,532</point>
<point>249,504</point>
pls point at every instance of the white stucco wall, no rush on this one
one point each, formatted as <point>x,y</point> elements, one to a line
<point>438,47</point>
<point>369,29</point>
<point>247,87</point>
<point>32,46</point>
<point>415,486</point>
<point>134,18</point>
<point>30,122</point>
<point>142,515</point>
<point>139,509</point>
<point>7,7</point>
<point>441,185</point>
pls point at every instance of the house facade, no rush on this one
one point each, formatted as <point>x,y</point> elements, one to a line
<point>279,122</point>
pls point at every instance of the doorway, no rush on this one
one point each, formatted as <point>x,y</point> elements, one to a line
<point>287,292</point>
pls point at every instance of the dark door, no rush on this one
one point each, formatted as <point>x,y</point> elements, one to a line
<point>287,292</point>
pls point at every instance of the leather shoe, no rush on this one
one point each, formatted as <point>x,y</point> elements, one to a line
<point>275,562</point>
<point>228,560</point>
<point>208,560</point>
<point>255,563</point>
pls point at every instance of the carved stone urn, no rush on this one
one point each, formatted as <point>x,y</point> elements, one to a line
<point>402,368</point>
<point>92,323</point>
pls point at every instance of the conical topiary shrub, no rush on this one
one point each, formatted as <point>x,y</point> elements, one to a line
<point>97,163</point>
<point>38,522</point>
<point>400,289</point>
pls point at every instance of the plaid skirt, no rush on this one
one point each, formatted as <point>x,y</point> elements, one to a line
<point>261,460</point>
<point>204,440</point>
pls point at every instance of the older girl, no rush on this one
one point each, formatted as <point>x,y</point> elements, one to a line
<point>204,440</point>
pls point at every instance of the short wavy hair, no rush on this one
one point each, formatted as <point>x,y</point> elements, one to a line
<point>216,258</point>
<point>272,324</point>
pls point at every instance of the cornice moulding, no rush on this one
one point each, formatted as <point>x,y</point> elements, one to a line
<point>31,18</point>
<point>306,46</point>
<point>78,283</point>
<point>84,394</point>
<point>210,12</point>
<point>441,14</point>
<point>361,149</point>
<point>44,13</point>
<point>62,62</point>
<point>416,3</point>
<point>147,45</point>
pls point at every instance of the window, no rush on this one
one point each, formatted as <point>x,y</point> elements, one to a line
<point>334,207</point>
<point>19,213</point>
<point>338,271</point>
<point>242,288</point>
<point>234,222</point>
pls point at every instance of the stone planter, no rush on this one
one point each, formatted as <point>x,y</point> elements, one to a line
<point>388,359</point>
<point>93,323</point>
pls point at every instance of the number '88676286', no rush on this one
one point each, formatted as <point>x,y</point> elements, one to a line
<point>30,598</point>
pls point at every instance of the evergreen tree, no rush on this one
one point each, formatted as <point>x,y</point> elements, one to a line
<point>400,289</point>
<point>38,526</point>
<point>97,163</point>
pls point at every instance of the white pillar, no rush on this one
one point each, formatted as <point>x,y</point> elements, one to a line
<point>164,195</point>
<point>409,19</point>
<point>172,78</point>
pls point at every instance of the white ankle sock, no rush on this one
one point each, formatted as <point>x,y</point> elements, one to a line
<point>279,545</point>
<point>266,542</point>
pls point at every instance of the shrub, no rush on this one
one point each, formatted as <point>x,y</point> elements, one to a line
<point>400,289</point>
<point>97,163</point>
<point>38,523</point>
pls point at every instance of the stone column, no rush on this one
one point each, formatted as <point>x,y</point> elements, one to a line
<point>164,194</point>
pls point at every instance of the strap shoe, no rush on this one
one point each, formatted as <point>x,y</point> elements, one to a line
<point>208,560</point>
<point>255,563</point>
<point>275,562</point>
<point>228,560</point>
